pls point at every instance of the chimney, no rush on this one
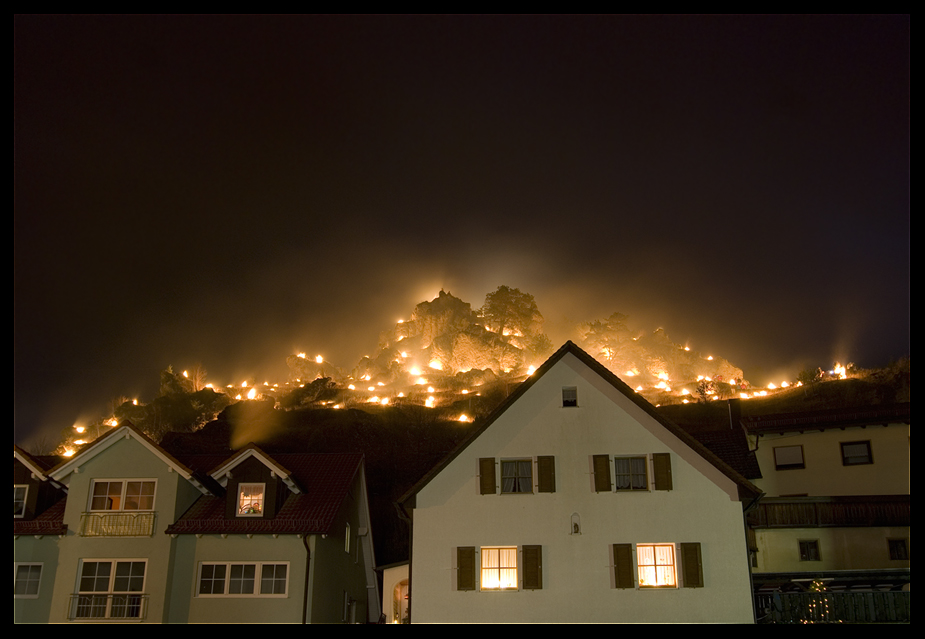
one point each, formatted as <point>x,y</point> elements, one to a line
<point>735,413</point>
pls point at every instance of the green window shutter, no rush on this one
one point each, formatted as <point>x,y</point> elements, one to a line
<point>465,568</point>
<point>691,565</point>
<point>623,566</point>
<point>602,473</point>
<point>533,567</point>
<point>546,471</point>
<point>662,465</point>
<point>487,476</point>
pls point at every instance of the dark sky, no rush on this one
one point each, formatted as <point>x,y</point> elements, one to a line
<point>229,190</point>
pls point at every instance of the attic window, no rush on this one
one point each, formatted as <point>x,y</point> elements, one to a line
<point>250,500</point>
<point>19,500</point>
<point>569,396</point>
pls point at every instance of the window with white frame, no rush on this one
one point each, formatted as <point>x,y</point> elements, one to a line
<point>122,494</point>
<point>656,565</point>
<point>517,475</point>
<point>244,579</point>
<point>110,589</point>
<point>19,499</point>
<point>250,500</point>
<point>630,473</point>
<point>26,580</point>
<point>499,568</point>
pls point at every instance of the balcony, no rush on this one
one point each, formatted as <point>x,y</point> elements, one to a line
<point>118,607</point>
<point>834,607</point>
<point>117,524</point>
<point>813,512</point>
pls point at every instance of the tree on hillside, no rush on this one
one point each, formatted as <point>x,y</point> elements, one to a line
<point>606,338</point>
<point>509,310</point>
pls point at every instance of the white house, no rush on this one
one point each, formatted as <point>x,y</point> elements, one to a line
<point>577,502</point>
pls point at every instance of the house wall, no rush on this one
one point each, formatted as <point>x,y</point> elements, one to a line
<point>44,551</point>
<point>338,574</point>
<point>242,608</point>
<point>577,569</point>
<point>394,589</point>
<point>124,459</point>
<point>848,548</point>
<point>825,474</point>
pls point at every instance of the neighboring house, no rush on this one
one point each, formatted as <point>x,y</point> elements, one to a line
<point>38,522</point>
<point>577,502</point>
<point>290,536</point>
<point>240,533</point>
<point>395,592</point>
<point>838,498</point>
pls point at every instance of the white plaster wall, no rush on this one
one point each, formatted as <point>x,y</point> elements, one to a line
<point>839,548</point>
<point>576,568</point>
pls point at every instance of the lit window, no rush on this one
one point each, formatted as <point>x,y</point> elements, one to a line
<point>856,453</point>
<point>243,580</point>
<point>499,569</point>
<point>110,590</point>
<point>122,495</point>
<point>788,457</point>
<point>656,565</point>
<point>569,396</point>
<point>26,580</point>
<point>250,500</point>
<point>516,476</point>
<point>19,500</point>
<point>809,550</point>
<point>630,473</point>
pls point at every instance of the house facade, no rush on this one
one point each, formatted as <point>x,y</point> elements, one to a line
<point>144,537</point>
<point>577,502</point>
<point>838,497</point>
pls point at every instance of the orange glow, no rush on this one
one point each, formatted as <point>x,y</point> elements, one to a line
<point>319,359</point>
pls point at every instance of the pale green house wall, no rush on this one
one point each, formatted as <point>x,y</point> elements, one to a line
<point>44,550</point>
<point>126,458</point>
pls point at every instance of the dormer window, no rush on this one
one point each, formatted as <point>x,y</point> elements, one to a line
<point>250,500</point>
<point>19,500</point>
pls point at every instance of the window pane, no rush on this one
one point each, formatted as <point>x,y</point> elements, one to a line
<point>139,495</point>
<point>250,499</point>
<point>212,581</point>
<point>517,476</point>
<point>94,576</point>
<point>130,576</point>
<point>273,579</point>
<point>27,580</point>
<point>656,565</point>
<point>241,581</point>
<point>19,500</point>
<point>107,495</point>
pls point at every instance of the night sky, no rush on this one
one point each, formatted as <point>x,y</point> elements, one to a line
<point>231,190</point>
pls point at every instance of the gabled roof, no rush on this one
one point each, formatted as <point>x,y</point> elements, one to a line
<point>125,430</point>
<point>746,488</point>
<point>223,471</point>
<point>36,465</point>
<point>326,480</point>
<point>880,415</point>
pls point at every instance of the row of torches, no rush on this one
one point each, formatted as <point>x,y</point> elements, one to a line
<point>431,400</point>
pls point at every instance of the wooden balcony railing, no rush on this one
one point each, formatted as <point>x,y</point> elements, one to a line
<point>812,512</point>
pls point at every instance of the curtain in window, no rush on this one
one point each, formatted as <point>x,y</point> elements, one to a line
<point>517,476</point>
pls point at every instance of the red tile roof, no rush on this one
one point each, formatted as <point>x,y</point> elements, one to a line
<point>50,522</point>
<point>327,479</point>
